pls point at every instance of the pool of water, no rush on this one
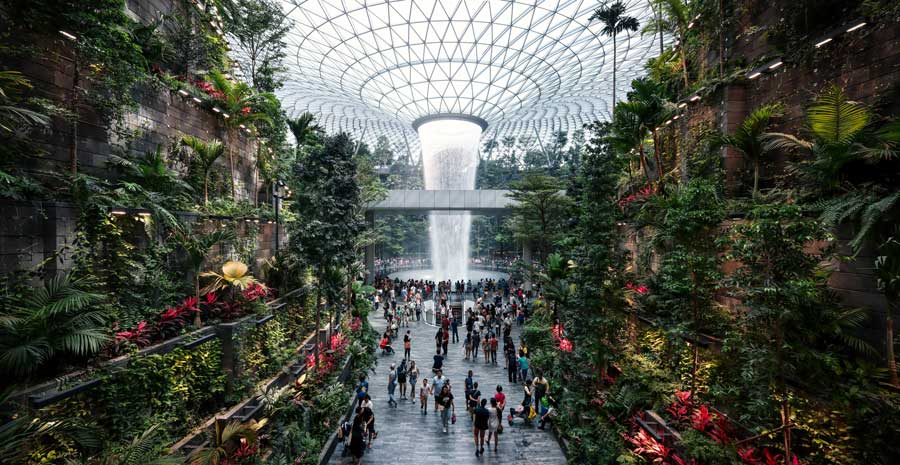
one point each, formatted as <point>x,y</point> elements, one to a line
<point>474,275</point>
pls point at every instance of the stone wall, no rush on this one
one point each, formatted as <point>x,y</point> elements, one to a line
<point>866,63</point>
<point>35,231</point>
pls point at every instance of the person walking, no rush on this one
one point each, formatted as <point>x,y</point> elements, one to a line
<point>445,406</point>
<point>523,364</point>
<point>401,378</point>
<point>392,385</point>
<point>494,424</point>
<point>356,443</point>
<point>486,348</point>
<point>368,414</point>
<point>500,397</point>
<point>407,345</point>
<point>541,387</point>
<point>476,343</point>
<point>482,420</point>
<point>473,396</point>
<point>413,373</point>
<point>468,344</point>
<point>439,339</point>
<point>493,346</point>
<point>424,393</point>
<point>445,342</point>
<point>512,365</point>
<point>454,329</point>
<point>437,385</point>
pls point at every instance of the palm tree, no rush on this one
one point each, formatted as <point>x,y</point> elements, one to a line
<point>207,153</point>
<point>653,108</point>
<point>751,140</point>
<point>556,284</point>
<point>225,441</point>
<point>58,319</point>
<point>306,131</point>
<point>627,133</point>
<point>242,104</point>
<point>614,22</point>
<point>675,19</point>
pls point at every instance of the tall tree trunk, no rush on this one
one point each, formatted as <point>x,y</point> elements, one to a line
<point>755,177</point>
<point>684,72</point>
<point>256,186</point>
<point>614,75</point>
<point>889,340</point>
<point>206,187</point>
<point>231,162</point>
<point>656,150</point>
<point>318,338</point>
<point>644,167</point>
<point>197,322</point>
<point>783,391</point>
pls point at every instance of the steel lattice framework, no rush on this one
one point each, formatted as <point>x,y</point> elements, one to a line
<point>527,68</point>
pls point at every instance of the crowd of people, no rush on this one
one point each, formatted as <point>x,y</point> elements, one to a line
<point>499,305</point>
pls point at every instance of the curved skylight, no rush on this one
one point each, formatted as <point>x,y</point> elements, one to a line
<point>527,68</point>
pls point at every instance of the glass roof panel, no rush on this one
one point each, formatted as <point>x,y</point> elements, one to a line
<point>372,67</point>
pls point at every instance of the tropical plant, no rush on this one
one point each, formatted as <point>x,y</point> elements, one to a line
<point>260,28</point>
<point>59,319</point>
<point>836,125</point>
<point>305,130</point>
<point>234,275</point>
<point>197,247</point>
<point>674,20</point>
<point>225,441</point>
<point>615,22</point>
<point>556,285</point>
<point>144,449</point>
<point>206,155</point>
<point>13,115</point>
<point>887,273</point>
<point>750,137</point>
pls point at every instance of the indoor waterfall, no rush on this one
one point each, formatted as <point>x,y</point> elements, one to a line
<point>450,159</point>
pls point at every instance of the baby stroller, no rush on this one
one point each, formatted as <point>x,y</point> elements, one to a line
<point>525,412</point>
<point>386,348</point>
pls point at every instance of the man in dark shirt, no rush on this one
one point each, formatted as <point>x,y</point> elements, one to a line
<point>482,416</point>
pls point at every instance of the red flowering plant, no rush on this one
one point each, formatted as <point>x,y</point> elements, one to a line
<point>565,345</point>
<point>640,196</point>
<point>637,288</point>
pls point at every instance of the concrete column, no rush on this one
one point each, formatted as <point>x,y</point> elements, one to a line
<point>230,366</point>
<point>526,257</point>
<point>370,250</point>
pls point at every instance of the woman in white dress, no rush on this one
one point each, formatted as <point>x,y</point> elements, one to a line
<point>494,424</point>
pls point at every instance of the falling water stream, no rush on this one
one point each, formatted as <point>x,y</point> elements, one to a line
<point>450,160</point>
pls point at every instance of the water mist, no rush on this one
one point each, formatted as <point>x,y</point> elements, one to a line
<point>450,160</point>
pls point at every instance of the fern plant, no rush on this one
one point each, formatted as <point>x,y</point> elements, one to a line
<point>58,320</point>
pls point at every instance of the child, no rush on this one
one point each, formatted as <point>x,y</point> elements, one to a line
<point>424,394</point>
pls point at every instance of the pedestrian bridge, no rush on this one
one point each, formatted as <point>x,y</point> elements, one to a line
<point>476,201</point>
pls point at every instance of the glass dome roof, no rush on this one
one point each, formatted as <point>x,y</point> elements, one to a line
<point>527,68</point>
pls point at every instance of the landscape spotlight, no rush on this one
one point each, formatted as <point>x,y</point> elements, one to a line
<point>118,212</point>
<point>196,100</point>
<point>776,64</point>
<point>68,36</point>
<point>755,75</point>
<point>183,92</point>
<point>824,42</point>
<point>695,98</point>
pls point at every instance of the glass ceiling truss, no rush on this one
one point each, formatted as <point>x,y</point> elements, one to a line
<point>527,68</point>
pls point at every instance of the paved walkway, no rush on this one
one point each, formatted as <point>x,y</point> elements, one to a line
<point>405,436</point>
